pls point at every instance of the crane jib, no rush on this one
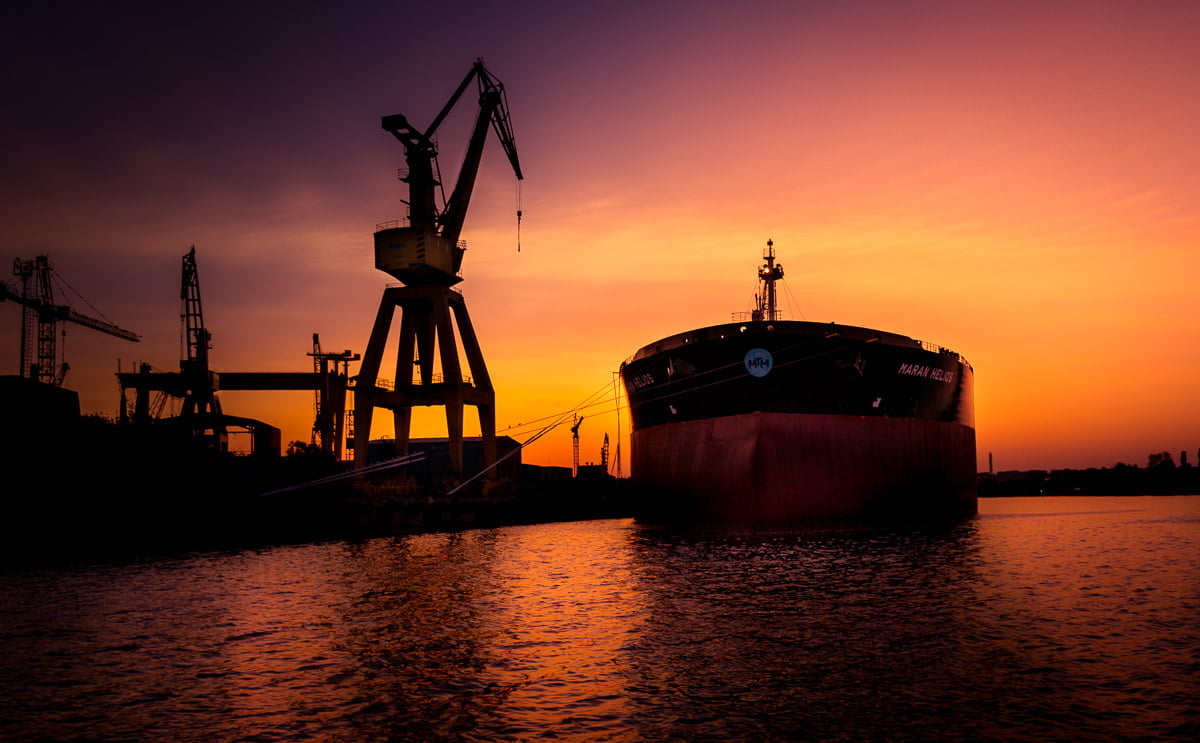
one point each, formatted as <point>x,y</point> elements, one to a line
<point>427,250</point>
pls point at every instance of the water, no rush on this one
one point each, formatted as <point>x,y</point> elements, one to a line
<point>1040,619</point>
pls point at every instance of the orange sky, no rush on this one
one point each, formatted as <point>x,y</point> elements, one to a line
<point>1014,180</point>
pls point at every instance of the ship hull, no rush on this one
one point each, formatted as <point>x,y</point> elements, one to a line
<point>780,466</point>
<point>795,421</point>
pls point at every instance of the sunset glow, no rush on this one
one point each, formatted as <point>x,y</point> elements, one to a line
<point>1015,181</point>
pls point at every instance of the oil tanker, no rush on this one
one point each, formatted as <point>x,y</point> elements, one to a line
<point>767,420</point>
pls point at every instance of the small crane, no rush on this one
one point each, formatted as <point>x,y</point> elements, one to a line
<point>201,398</point>
<point>328,368</point>
<point>575,445</point>
<point>41,317</point>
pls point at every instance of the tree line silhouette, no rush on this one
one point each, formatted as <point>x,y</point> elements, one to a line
<point>1160,476</point>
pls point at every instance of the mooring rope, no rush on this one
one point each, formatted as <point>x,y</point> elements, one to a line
<point>369,469</point>
<point>495,464</point>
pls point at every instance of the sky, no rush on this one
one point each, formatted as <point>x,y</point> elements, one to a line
<point>1013,180</point>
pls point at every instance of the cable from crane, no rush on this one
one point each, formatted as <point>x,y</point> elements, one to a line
<point>519,182</point>
<point>64,284</point>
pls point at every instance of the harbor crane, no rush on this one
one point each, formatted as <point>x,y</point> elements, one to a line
<point>575,445</point>
<point>425,253</point>
<point>330,372</point>
<point>201,397</point>
<point>39,329</point>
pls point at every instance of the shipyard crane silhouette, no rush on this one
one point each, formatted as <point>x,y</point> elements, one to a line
<point>330,372</point>
<point>197,384</point>
<point>201,396</point>
<point>39,329</point>
<point>424,252</point>
<point>575,445</point>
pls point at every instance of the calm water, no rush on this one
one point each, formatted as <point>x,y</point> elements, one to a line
<point>1040,619</point>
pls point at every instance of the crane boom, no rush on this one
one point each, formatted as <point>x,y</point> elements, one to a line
<point>493,109</point>
<point>100,325</point>
<point>64,312</point>
<point>427,250</point>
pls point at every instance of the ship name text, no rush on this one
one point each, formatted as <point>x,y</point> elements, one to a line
<point>642,380</point>
<point>926,372</point>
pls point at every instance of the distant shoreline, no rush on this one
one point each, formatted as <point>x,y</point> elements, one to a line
<point>1128,480</point>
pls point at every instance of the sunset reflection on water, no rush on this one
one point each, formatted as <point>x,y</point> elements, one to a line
<point>563,608</point>
<point>1046,619</point>
<point>1094,601</point>
<point>488,633</point>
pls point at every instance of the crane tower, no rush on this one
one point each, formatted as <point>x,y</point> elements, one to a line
<point>39,352</point>
<point>425,253</point>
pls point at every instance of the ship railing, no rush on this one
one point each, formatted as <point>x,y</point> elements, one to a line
<point>942,350</point>
<point>391,224</point>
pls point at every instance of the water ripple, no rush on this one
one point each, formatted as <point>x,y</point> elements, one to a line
<point>1041,619</point>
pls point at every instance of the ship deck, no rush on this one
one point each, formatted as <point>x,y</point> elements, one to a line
<point>797,328</point>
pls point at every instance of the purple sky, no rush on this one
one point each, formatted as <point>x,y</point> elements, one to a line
<point>1015,180</point>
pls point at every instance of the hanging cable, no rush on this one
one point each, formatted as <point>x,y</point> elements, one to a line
<point>519,215</point>
<point>792,302</point>
<point>62,284</point>
<point>589,401</point>
<point>495,464</point>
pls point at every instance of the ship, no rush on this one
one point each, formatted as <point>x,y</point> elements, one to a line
<point>769,420</point>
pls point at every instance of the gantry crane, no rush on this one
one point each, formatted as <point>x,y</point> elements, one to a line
<point>39,329</point>
<point>197,385</point>
<point>425,253</point>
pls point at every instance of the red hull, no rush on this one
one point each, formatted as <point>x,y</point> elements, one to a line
<point>789,466</point>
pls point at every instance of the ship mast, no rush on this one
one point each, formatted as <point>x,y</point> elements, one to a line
<point>768,274</point>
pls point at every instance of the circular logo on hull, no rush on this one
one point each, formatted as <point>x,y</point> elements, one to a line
<point>759,361</point>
